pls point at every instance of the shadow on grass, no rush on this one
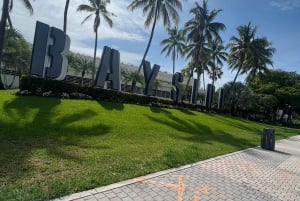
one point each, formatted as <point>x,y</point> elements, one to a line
<point>111,105</point>
<point>186,111</point>
<point>32,126</point>
<point>202,134</point>
<point>237,123</point>
<point>159,110</point>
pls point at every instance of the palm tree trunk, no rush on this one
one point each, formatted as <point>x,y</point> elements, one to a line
<point>147,48</point>
<point>213,79</point>
<point>203,80</point>
<point>95,54</point>
<point>237,74</point>
<point>66,15</point>
<point>199,78</point>
<point>196,87</point>
<point>9,21</point>
<point>188,82</point>
<point>174,51</point>
<point>2,32</point>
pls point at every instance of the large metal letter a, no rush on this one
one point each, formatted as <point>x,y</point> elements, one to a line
<point>109,69</point>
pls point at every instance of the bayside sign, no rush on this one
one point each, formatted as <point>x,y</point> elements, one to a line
<point>49,61</point>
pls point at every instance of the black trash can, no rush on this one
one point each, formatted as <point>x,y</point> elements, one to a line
<point>268,139</point>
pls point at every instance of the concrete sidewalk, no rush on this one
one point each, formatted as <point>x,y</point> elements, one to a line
<point>252,174</point>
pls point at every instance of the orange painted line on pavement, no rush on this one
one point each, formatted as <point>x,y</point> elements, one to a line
<point>205,189</point>
<point>287,174</point>
<point>196,195</point>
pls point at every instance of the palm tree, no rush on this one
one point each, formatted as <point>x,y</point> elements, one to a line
<point>174,45</point>
<point>66,15</point>
<point>260,58</point>
<point>97,7</point>
<point>27,5</point>
<point>156,9</point>
<point>218,55</point>
<point>127,77</point>
<point>240,49</point>
<point>6,7</point>
<point>248,53</point>
<point>200,30</point>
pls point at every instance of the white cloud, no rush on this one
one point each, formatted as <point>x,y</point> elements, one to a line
<point>286,4</point>
<point>126,27</point>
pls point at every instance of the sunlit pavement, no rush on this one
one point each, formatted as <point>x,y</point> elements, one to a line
<point>252,174</point>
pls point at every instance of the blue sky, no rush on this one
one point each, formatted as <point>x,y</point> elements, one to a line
<point>278,20</point>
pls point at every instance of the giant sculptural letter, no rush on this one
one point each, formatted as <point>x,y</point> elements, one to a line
<point>195,91</point>
<point>177,92</point>
<point>221,99</point>
<point>48,53</point>
<point>109,69</point>
<point>209,95</point>
<point>150,76</point>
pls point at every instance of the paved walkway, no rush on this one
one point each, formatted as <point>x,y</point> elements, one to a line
<point>252,174</point>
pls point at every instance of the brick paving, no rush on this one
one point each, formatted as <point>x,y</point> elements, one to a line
<point>252,174</point>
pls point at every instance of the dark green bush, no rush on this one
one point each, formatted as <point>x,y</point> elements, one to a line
<point>43,87</point>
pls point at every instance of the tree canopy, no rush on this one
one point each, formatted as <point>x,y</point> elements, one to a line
<point>283,85</point>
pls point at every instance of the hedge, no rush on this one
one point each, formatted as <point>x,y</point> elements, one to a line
<point>62,89</point>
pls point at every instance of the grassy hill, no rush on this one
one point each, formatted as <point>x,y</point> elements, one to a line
<point>52,147</point>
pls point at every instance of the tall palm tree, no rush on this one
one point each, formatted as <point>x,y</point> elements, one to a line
<point>66,15</point>
<point>156,9</point>
<point>260,58</point>
<point>174,45</point>
<point>97,7</point>
<point>249,54</point>
<point>6,7</point>
<point>241,48</point>
<point>200,30</point>
<point>218,55</point>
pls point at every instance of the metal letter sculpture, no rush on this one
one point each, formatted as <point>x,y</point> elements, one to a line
<point>195,91</point>
<point>177,92</point>
<point>221,99</point>
<point>149,76</point>
<point>209,95</point>
<point>109,69</point>
<point>48,53</point>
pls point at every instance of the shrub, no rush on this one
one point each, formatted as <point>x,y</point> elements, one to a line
<point>61,89</point>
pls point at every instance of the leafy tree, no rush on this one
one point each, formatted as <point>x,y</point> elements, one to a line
<point>200,30</point>
<point>174,45</point>
<point>97,7</point>
<point>285,86</point>
<point>267,103</point>
<point>249,54</point>
<point>155,10</point>
<point>16,54</point>
<point>6,8</point>
<point>238,97</point>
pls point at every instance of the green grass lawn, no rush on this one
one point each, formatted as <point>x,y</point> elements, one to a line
<point>52,147</point>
